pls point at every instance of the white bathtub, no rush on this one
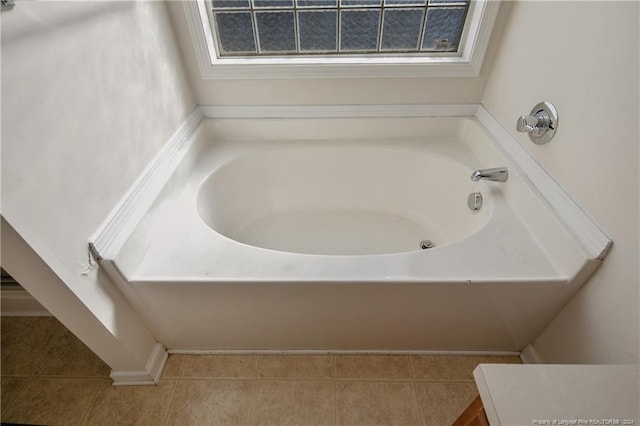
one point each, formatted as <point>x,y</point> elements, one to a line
<point>347,199</point>
<point>305,234</point>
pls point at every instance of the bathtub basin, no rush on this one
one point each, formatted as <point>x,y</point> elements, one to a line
<point>341,200</point>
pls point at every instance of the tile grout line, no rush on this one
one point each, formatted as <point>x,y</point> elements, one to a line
<point>175,390</point>
<point>173,397</point>
<point>334,364</point>
<point>298,379</point>
<point>55,337</point>
<point>52,376</point>
<point>443,381</point>
<point>182,368</point>
<point>85,417</point>
<point>415,392</point>
<point>15,398</point>
<point>231,379</point>
<point>254,391</point>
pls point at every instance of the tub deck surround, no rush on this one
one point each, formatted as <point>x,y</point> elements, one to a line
<point>500,249</point>
<point>493,281</point>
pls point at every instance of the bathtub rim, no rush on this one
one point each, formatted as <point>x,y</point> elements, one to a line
<point>586,240</point>
<point>526,261</point>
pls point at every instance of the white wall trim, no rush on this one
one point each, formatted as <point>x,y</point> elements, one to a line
<point>116,228</point>
<point>19,303</point>
<point>339,111</point>
<point>474,44</point>
<point>530,355</point>
<point>157,361</point>
<point>482,25</point>
<point>149,376</point>
<point>131,378</point>
<point>582,227</point>
<point>335,352</point>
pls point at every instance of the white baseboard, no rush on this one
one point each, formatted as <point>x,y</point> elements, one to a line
<point>19,303</point>
<point>530,355</point>
<point>149,376</point>
<point>334,352</point>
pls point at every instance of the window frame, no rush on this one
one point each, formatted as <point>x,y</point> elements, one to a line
<point>467,63</point>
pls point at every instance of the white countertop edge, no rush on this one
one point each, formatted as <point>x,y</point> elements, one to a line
<point>559,394</point>
<point>485,396</point>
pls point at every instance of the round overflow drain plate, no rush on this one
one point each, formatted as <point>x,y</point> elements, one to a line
<point>426,244</point>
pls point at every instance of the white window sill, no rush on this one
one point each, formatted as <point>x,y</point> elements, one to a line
<point>478,28</point>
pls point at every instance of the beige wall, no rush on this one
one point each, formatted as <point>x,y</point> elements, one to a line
<point>322,91</point>
<point>90,92</point>
<point>583,57</point>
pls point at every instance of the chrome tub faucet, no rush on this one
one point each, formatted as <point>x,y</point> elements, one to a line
<point>498,174</point>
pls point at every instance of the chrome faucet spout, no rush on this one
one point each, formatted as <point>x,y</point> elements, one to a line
<point>498,174</point>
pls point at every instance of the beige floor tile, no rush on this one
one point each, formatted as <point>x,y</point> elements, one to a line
<point>9,389</point>
<point>25,342</point>
<point>173,367</point>
<point>53,401</point>
<point>376,404</point>
<point>297,366</point>
<point>436,367</point>
<point>291,402</point>
<point>131,405</point>
<point>442,403</point>
<point>379,367</point>
<point>221,366</point>
<point>201,402</point>
<point>69,357</point>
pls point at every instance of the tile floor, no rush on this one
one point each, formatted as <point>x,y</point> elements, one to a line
<point>49,377</point>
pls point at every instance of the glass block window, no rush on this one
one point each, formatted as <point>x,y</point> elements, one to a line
<point>245,28</point>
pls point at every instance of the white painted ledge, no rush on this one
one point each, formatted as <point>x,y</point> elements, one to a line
<point>107,241</point>
<point>149,376</point>
<point>339,111</point>
<point>582,227</point>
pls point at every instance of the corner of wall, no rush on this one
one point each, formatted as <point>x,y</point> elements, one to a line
<point>529,355</point>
